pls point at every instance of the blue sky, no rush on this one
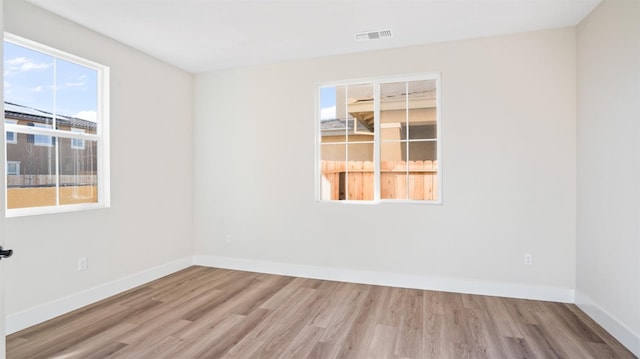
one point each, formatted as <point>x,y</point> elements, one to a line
<point>327,103</point>
<point>29,81</point>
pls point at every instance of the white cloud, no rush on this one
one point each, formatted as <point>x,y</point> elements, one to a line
<point>6,84</point>
<point>23,64</point>
<point>37,89</point>
<point>78,82</point>
<point>328,113</point>
<point>87,115</point>
<point>17,61</point>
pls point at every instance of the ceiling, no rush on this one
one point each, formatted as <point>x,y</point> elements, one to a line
<point>202,35</point>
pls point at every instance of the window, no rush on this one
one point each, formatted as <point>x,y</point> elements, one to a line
<point>13,168</point>
<point>11,136</point>
<point>40,140</point>
<point>379,141</point>
<point>56,126</point>
<point>77,144</point>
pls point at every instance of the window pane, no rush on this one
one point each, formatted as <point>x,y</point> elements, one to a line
<point>78,172</point>
<point>28,80</point>
<point>35,185</point>
<point>360,172</point>
<point>77,143</point>
<point>393,111</point>
<point>76,97</point>
<point>42,140</point>
<point>423,151</point>
<point>331,129</point>
<point>422,109</point>
<point>346,113</point>
<point>332,171</point>
<point>13,168</point>
<point>423,171</point>
<point>359,111</point>
<point>422,132</point>
<point>393,170</point>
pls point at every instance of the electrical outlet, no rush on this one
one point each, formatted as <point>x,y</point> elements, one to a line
<point>82,263</point>
<point>227,238</point>
<point>528,259</point>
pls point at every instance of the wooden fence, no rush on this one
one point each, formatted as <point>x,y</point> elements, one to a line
<point>49,180</point>
<point>22,197</point>
<point>416,180</point>
<point>40,190</point>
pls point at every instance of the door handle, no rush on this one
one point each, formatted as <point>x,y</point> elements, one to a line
<point>5,253</point>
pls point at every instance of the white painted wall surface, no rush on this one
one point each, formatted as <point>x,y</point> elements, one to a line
<point>608,167</point>
<point>509,171</point>
<point>149,222</point>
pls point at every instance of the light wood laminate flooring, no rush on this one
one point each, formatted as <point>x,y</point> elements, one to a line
<point>204,312</point>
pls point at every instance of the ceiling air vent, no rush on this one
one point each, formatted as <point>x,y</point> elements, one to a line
<point>373,35</point>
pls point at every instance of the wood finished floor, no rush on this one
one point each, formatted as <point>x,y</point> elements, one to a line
<point>215,313</point>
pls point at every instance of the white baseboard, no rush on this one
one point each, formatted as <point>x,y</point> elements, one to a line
<point>43,312</point>
<point>611,324</point>
<point>457,285</point>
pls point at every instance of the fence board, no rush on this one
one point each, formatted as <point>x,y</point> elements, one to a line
<point>398,179</point>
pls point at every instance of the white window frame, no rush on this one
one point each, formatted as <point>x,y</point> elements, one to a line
<point>377,140</point>
<point>15,135</point>
<point>101,137</point>
<point>17,164</point>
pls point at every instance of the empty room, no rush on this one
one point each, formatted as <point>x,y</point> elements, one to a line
<point>321,179</point>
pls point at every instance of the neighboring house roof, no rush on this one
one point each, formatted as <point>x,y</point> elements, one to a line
<point>336,127</point>
<point>19,112</point>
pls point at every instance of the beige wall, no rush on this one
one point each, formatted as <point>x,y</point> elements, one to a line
<point>509,168</point>
<point>150,155</point>
<point>608,191</point>
<point>391,128</point>
<point>357,152</point>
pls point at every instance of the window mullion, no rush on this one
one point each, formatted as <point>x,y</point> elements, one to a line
<point>55,127</point>
<point>57,173</point>
<point>376,142</point>
<point>346,146</point>
<point>406,106</point>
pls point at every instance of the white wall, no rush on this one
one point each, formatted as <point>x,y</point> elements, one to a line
<point>608,191</point>
<point>2,199</point>
<point>149,222</point>
<point>509,172</point>
<point>509,182</point>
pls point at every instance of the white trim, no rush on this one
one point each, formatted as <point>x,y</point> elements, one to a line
<point>103,130</point>
<point>458,285</point>
<point>51,51</point>
<point>48,131</point>
<point>377,145</point>
<point>35,211</point>
<point>610,323</point>
<point>43,312</point>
